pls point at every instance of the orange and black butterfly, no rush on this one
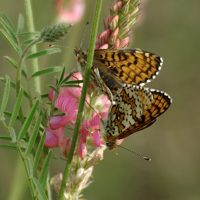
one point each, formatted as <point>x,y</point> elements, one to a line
<point>133,108</point>
<point>113,68</point>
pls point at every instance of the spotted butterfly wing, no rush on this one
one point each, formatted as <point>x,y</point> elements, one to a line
<point>134,108</point>
<point>129,66</point>
<point>112,68</point>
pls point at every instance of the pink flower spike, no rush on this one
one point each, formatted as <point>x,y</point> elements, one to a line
<point>96,138</point>
<point>73,13</point>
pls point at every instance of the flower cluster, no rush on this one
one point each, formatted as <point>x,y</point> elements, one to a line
<point>117,26</point>
<point>67,103</point>
<point>72,13</point>
<point>80,176</point>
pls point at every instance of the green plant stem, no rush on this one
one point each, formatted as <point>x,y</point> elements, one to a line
<point>30,25</point>
<point>82,99</point>
<point>31,28</point>
<point>19,70</point>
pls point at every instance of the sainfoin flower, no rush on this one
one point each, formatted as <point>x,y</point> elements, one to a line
<point>117,26</point>
<point>67,103</point>
<point>70,13</point>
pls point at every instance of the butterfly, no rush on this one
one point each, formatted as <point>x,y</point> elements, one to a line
<point>133,108</point>
<point>113,68</point>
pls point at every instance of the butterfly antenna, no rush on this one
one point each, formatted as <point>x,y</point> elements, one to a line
<point>136,154</point>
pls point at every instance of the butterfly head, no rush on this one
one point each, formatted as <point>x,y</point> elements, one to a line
<point>81,56</point>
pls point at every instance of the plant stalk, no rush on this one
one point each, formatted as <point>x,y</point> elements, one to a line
<point>82,99</point>
<point>31,28</point>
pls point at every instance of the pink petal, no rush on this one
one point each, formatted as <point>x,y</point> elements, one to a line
<point>82,149</point>
<point>51,139</point>
<point>84,132</point>
<point>95,121</point>
<point>96,138</point>
<point>105,46</point>
<point>107,22</point>
<point>51,95</point>
<point>56,122</point>
<point>124,43</point>
<point>67,104</point>
<point>66,146</point>
<point>116,6</point>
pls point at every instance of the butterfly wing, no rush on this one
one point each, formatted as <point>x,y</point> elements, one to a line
<point>130,66</point>
<point>135,108</point>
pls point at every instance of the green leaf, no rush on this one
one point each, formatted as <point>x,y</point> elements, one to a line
<point>14,86</point>
<point>8,146</point>
<point>8,27</point>
<point>10,40</point>
<point>44,53</point>
<point>34,135</point>
<point>4,20</point>
<point>8,138</point>
<point>28,41</point>
<point>16,108</point>
<point>11,61</point>
<point>44,171</point>
<point>8,31</point>
<point>5,95</point>
<point>20,25</point>
<point>29,34</point>
<point>39,188</point>
<point>61,76</point>
<point>54,88</point>
<point>74,82</point>
<point>14,64</point>
<point>28,120</point>
<point>47,71</point>
<point>38,152</point>
<point>70,85</point>
<point>67,77</point>
<point>45,95</point>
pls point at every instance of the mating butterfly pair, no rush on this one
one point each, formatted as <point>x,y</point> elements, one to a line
<point>121,75</point>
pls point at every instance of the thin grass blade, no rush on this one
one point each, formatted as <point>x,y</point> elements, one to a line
<point>47,71</point>
<point>44,53</point>
<point>39,188</point>
<point>38,152</point>
<point>6,94</point>
<point>28,120</point>
<point>16,108</point>
<point>34,135</point>
<point>44,171</point>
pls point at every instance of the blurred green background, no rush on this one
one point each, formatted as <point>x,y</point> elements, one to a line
<point>171,29</point>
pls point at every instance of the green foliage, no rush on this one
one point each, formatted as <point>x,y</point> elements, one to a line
<point>28,140</point>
